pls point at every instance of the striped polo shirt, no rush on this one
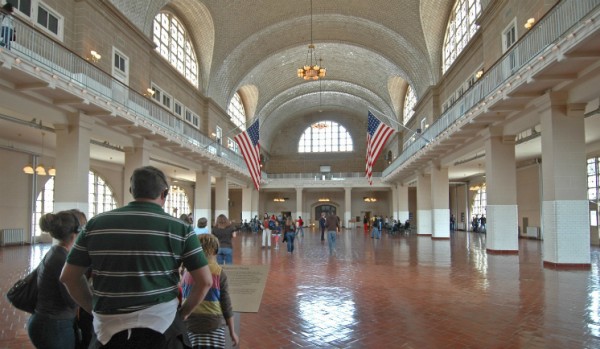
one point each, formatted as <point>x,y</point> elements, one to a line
<point>135,253</point>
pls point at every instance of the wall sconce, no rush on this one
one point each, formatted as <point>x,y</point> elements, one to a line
<point>530,22</point>
<point>279,199</point>
<point>94,56</point>
<point>369,199</point>
<point>324,200</point>
<point>479,73</point>
<point>149,92</point>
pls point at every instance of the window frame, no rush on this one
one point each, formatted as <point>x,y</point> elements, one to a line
<point>117,72</point>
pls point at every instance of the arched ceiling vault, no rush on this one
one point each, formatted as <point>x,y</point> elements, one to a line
<point>371,49</point>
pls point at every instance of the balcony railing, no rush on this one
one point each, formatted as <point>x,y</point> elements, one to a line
<point>552,27</point>
<point>61,63</point>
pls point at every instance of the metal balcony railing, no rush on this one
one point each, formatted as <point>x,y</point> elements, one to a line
<point>552,27</point>
<point>62,63</point>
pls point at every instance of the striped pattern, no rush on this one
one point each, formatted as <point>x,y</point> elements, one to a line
<point>211,340</point>
<point>377,135</point>
<point>248,142</point>
<point>135,253</point>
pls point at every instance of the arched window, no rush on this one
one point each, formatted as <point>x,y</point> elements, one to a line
<point>479,201</point>
<point>461,28</point>
<point>410,100</point>
<point>173,43</point>
<point>237,113</point>
<point>325,136</point>
<point>177,202</point>
<point>100,199</point>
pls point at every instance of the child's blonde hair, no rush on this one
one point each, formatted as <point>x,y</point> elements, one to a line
<point>210,244</point>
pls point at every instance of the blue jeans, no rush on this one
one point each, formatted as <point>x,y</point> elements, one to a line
<point>225,255</point>
<point>300,230</point>
<point>331,241</point>
<point>289,236</point>
<point>49,333</point>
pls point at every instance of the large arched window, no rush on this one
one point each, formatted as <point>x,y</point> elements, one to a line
<point>479,201</point>
<point>100,199</point>
<point>236,112</point>
<point>177,202</point>
<point>461,28</point>
<point>410,100</point>
<point>173,43</point>
<point>325,136</point>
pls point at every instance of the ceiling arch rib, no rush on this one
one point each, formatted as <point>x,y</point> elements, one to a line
<point>332,103</point>
<point>270,49</point>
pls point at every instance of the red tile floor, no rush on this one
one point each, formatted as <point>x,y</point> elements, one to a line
<point>397,292</point>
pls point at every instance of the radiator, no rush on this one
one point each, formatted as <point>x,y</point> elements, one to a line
<point>12,236</point>
<point>533,232</point>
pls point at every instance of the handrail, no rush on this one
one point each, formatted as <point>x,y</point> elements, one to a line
<point>51,56</point>
<point>553,26</point>
<point>318,176</point>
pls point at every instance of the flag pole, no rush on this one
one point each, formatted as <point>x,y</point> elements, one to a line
<point>414,133</point>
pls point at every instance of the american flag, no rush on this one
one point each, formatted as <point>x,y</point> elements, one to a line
<point>377,134</point>
<point>248,142</point>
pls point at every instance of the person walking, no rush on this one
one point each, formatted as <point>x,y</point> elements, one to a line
<point>300,226</point>
<point>135,252</point>
<point>204,326</point>
<point>268,224</point>
<point>332,224</point>
<point>322,224</point>
<point>225,232</point>
<point>290,233</point>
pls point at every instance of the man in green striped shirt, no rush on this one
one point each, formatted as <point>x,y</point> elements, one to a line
<point>135,253</point>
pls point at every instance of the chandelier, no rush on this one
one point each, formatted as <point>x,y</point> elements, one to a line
<point>319,125</point>
<point>311,69</point>
<point>39,170</point>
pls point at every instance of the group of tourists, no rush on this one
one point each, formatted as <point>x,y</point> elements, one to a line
<point>115,281</point>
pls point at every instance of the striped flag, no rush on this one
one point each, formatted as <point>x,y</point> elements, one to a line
<point>248,142</point>
<point>377,134</point>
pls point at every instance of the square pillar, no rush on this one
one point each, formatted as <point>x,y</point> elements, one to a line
<point>424,204</point>
<point>440,202</point>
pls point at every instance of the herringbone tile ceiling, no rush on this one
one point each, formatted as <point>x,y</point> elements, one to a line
<point>371,49</point>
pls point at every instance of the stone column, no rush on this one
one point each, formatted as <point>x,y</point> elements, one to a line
<point>348,207</point>
<point>395,201</point>
<point>136,156</point>
<point>299,201</point>
<point>565,216</point>
<point>403,213</point>
<point>222,196</point>
<point>424,204</point>
<point>502,218</point>
<point>202,197</point>
<point>72,164</point>
<point>247,203</point>
<point>440,202</point>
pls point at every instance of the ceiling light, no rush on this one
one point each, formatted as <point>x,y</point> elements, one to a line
<point>94,56</point>
<point>311,69</point>
<point>530,22</point>
<point>319,125</point>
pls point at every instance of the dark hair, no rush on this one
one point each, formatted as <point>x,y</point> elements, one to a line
<point>60,225</point>
<point>8,7</point>
<point>148,182</point>
<point>222,221</point>
<point>202,222</point>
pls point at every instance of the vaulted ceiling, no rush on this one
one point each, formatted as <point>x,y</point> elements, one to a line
<point>371,49</point>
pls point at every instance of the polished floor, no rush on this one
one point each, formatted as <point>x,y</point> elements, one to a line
<point>404,291</point>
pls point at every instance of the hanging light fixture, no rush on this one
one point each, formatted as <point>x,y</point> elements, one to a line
<point>39,170</point>
<point>311,69</point>
<point>370,199</point>
<point>324,199</point>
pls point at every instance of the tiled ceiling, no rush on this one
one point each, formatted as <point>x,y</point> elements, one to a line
<point>366,46</point>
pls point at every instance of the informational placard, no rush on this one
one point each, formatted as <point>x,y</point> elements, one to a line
<point>246,286</point>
